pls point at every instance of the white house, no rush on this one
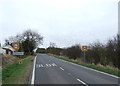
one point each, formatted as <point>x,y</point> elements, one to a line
<point>6,50</point>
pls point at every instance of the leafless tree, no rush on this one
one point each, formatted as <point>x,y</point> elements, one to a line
<point>29,40</point>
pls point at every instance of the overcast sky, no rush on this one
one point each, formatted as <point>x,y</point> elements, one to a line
<point>64,22</point>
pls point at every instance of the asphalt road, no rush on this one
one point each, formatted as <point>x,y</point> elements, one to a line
<point>50,70</point>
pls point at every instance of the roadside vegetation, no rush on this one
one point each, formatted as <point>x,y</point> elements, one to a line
<point>103,57</point>
<point>8,60</point>
<point>110,70</point>
<point>17,73</point>
<point>0,76</point>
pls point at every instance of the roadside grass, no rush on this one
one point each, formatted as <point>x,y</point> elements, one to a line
<point>0,76</point>
<point>17,73</point>
<point>96,67</point>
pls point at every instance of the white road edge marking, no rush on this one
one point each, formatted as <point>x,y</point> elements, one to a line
<point>82,82</point>
<point>90,69</point>
<point>61,68</point>
<point>33,73</point>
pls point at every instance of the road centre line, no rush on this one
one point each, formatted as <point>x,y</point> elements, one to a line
<point>61,68</point>
<point>82,82</point>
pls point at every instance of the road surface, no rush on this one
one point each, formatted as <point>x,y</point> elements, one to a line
<point>50,70</point>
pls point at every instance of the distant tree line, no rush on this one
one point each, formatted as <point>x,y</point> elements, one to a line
<point>52,50</point>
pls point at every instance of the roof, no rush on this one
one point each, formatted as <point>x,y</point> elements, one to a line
<point>8,47</point>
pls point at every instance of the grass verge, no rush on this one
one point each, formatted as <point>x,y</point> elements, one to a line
<point>0,76</point>
<point>96,67</point>
<point>17,73</point>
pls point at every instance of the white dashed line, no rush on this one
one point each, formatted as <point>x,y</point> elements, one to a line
<point>46,64</point>
<point>41,65</point>
<point>49,65</point>
<point>54,64</point>
<point>82,82</point>
<point>61,68</point>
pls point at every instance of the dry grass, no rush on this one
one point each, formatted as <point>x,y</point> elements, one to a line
<point>108,66</point>
<point>8,59</point>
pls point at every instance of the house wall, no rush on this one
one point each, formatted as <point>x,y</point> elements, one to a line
<point>2,51</point>
<point>6,51</point>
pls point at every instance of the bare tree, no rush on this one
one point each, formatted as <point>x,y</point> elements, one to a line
<point>29,40</point>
